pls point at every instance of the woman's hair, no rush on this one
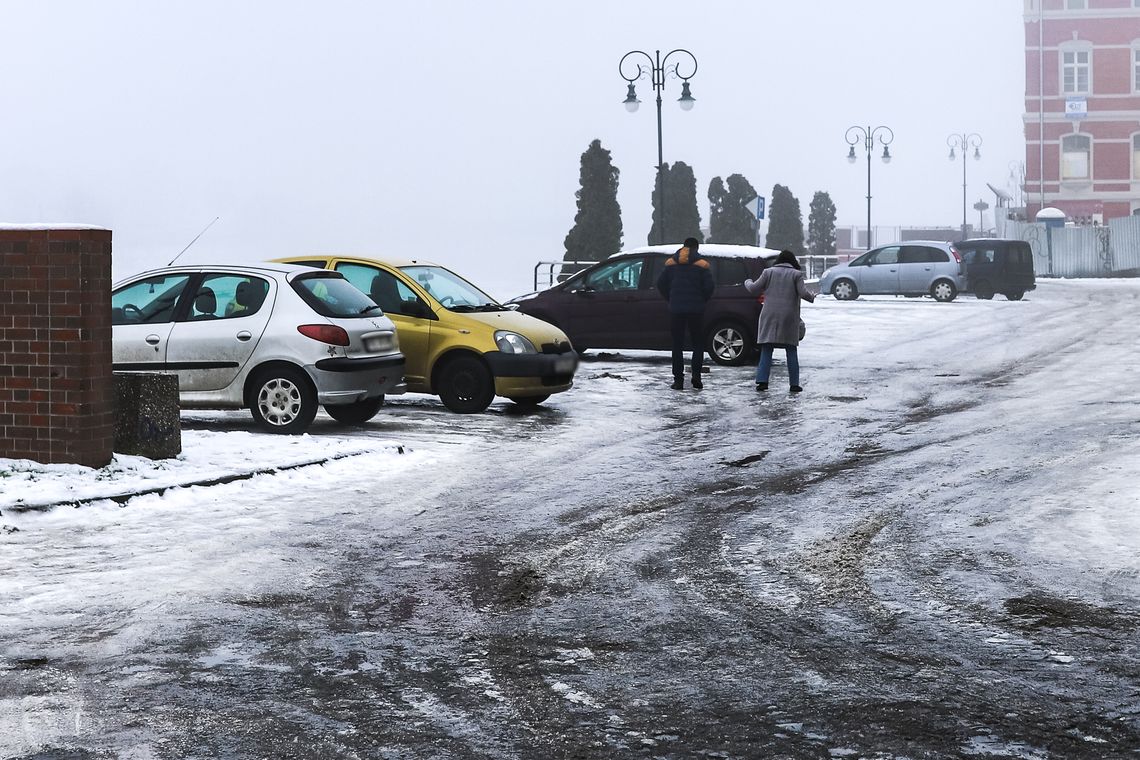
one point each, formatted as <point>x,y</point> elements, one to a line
<point>787,257</point>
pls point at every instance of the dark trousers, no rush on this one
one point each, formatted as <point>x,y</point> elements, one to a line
<point>678,325</point>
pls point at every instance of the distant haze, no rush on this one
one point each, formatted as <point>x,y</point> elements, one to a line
<point>452,130</point>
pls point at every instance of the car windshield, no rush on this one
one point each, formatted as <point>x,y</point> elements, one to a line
<point>330,295</point>
<point>452,291</point>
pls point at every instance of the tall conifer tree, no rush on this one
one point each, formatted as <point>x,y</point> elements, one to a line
<point>821,225</point>
<point>679,218</point>
<point>597,231</point>
<point>786,222</point>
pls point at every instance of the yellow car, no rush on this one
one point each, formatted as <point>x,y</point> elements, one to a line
<point>458,342</point>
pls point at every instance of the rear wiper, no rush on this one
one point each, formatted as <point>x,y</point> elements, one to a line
<point>367,309</point>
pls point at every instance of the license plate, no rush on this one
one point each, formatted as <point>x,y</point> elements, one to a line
<point>564,365</point>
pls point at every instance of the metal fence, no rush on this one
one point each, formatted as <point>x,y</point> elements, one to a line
<point>1111,250</point>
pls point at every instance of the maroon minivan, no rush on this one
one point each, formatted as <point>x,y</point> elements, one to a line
<point>615,303</point>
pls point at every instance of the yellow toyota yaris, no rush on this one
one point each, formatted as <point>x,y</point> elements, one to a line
<point>458,342</point>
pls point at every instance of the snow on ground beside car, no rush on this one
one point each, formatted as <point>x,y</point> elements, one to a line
<point>206,455</point>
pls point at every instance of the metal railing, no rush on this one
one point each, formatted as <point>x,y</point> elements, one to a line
<point>546,273</point>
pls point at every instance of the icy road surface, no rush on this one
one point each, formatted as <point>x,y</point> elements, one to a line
<point>931,552</point>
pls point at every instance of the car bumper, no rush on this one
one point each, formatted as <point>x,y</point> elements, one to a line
<point>344,380</point>
<point>531,374</point>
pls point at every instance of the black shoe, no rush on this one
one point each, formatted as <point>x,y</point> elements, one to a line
<point>678,385</point>
<point>796,389</point>
<point>761,386</point>
<point>697,383</point>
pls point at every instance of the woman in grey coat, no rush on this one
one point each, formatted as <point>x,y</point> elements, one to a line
<point>783,287</point>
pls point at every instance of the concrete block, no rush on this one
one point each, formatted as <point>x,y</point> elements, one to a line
<point>147,421</point>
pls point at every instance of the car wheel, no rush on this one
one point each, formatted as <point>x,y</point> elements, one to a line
<point>356,413</point>
<point>529,402</point>
<point>466,386</point>
<point>984,290</point>
<point>943,290</point>
<point>283,400</point>
<point>728,343</point>
<point>844,290</point>
<point>1015,295</point>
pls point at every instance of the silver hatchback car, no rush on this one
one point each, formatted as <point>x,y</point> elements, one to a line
<point>913,268</point>
<point>274,338</point>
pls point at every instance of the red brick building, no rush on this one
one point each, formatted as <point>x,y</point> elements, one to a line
<point>1082,107</point>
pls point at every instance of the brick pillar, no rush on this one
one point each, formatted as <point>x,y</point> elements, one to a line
<point>56,389</point>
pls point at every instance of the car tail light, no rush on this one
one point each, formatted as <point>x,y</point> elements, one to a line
<point>331,334</point>
<point>957,256</point>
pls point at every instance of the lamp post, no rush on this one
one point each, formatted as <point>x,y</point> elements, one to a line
<point>885,136</point>
<point>964,141</point>
<point>658,69</point>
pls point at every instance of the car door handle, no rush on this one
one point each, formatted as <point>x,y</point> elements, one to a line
<point>152,339</point>
<point>244,335</point>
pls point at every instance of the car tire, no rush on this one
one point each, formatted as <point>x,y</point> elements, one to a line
<point>356,413</point>
<point>282,400</point>
<point>728,343</point>
<point>1015,295</point>
<point>845,290</point>
<point>944,291</point>
<point>984,290</point>
<point>465,385</point>
<point>529,402</point>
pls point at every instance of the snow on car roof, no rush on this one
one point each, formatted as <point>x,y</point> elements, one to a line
<point>708,249</point>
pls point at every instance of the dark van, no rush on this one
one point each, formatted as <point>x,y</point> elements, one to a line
<point>997,266</point>
<point>615,303</point>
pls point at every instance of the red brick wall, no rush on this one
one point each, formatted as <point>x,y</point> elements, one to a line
<point>56,387</point>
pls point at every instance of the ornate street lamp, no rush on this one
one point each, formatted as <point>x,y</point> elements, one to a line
<point>885,135</point>
<point>658,69</point>
<point>964,141</point>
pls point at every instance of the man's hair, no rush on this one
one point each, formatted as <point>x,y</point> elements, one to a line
<point>692,243</point>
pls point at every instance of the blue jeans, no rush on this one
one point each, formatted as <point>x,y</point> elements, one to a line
<point>764,368</point>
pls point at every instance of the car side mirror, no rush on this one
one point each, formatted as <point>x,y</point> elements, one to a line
<point>417,309</point>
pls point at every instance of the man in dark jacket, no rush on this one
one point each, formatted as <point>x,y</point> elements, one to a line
<point>686,282</point>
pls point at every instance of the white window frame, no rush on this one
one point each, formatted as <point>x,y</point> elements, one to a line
<point>1089,168</point>
<point>1075,49</point>
<point>1134,144</point>
<point>1136,62</point>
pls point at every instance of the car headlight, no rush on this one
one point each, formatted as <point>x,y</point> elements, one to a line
<point>513,343</point>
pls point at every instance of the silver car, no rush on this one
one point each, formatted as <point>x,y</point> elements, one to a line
<point>277,339</point>
<point>914,268</point>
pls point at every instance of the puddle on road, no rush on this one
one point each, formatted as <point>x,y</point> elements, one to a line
<point>1037,610</point>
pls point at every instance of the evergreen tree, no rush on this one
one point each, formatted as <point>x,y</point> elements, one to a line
<point>718,197</point>
<point>785,223</point>
<point>739,226</point>
<point>679,202</point>
<point>597,229</point>
<point>821,225</point>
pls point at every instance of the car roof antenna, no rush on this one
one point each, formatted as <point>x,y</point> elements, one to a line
<point>192,242</point>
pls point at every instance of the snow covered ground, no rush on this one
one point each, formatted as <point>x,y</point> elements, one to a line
<point>998,432</point>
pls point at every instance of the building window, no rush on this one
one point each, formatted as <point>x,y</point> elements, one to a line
<point>1078,5</point>
<point>1136,156</point>
<point>1136,64</point>
<point>1076,155</point>
<point>1076,70</point>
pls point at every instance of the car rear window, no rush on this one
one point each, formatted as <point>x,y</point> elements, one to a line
<point>330,295</point>
<point>728,271</point>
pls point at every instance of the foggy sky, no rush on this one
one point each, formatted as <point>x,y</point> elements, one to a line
<point>453,130</point>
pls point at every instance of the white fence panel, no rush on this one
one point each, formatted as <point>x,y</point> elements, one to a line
<point>1125,244</point>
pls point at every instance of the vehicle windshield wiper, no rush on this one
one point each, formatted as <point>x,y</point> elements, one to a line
<point>463,307</point>
<point>367,309</point>
<point>492,307</point>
